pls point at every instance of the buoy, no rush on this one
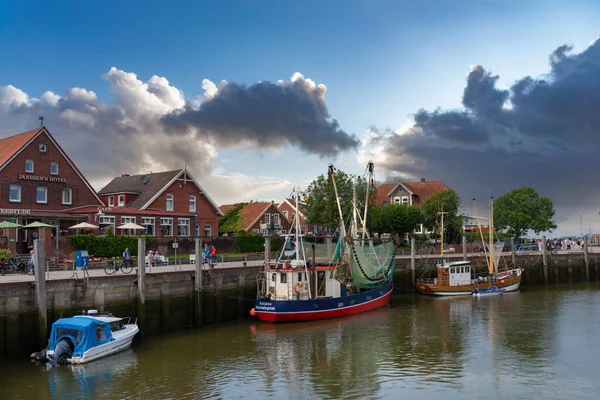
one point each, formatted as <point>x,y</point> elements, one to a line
<point>252,312</point>
<point>502,281</point>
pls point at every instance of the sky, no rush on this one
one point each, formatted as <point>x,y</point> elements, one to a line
<point>257,97</point>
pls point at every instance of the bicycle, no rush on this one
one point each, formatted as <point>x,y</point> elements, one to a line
<point>124,266</point>
<point>14,265</point>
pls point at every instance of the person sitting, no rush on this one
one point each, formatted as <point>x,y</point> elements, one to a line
<point>30,263</point>
<point>150,258</point>
<point>157,259</point>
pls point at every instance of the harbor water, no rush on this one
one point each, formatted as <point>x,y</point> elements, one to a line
<point>540,343</point>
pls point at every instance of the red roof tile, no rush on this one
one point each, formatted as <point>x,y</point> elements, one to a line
<point>9,146</point>
<point>251,212</point>
<point>227,207</point>
<point>424,189</point>
<point>382,193</point>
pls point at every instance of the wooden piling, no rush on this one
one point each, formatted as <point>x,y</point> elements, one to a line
<point>512,252</point>
<point>198,284</point>
<point>141,283</point>
<point>586,258</point>
<point>412,262</point>
<point>464,246</point>
<point>268,250</point>
<point>544,259</point>
<point>40,291</point>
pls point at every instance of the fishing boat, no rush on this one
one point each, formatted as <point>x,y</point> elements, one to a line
<point>87,337</point>
<point>326,280</point>
<point>458,278</point>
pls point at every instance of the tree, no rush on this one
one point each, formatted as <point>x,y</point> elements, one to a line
<point>523,209</point>
<point>321,206</point>
<point>443,201</point>
<point>395,219</point>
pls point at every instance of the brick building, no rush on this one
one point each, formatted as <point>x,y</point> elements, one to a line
<point>39,182</point>
<point>288,209</point>
<point>166,204</point>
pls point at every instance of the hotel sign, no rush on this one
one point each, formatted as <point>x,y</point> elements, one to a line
<point>54,179</point>
<point>12,211</point>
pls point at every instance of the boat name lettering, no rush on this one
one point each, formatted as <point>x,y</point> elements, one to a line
<point>42,178</point>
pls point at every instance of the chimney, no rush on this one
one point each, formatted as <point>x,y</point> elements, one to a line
<point>124,175</point>
<point>422,179</point>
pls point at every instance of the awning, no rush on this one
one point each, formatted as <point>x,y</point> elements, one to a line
<point>84,225</point>
<point>131,225</point>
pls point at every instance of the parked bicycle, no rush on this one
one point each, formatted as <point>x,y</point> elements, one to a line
<point>13,265</point>
<point>113,266</point>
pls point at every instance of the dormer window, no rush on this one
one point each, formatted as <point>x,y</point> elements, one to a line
<point>121,200</point>
<point>42,147</point>
<point>169,203</point>
<point>29,166</point>
<point>53,168</point>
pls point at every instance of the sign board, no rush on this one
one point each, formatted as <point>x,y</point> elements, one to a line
<point>12,211</point>
<point>175,245</point>
<point>42,178</point>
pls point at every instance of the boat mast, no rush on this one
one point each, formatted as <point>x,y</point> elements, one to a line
<point>337,198</point>
<point>354,210</point>
<point>492,266</point>
<point>442,237</point>
<point>298,243</point>
<point>370,168</point>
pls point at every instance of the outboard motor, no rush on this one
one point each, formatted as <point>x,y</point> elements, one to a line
<point>62,352</point>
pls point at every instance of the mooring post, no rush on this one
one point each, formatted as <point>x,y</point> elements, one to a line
<point>141,311</point>
<point>464,245</point>
<point>512,251</point>
<point>412,261</point>
<point>545,261</point>
<point>40,291</point>
<point>268,251</point>
<point>198,283</point>
<point>586,258</point>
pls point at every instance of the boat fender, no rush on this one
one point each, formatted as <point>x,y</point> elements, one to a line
<point>298,287</point>
<point>253,312</point>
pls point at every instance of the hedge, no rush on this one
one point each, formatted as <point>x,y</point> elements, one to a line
<point>107,246</point>
<point>255,243</point>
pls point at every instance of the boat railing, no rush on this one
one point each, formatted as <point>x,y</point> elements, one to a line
<point>427,281</point>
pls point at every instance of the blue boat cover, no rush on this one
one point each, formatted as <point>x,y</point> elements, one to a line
<point>85,333</point>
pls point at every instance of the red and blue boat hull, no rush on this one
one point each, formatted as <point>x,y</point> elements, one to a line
<point>310,310</point>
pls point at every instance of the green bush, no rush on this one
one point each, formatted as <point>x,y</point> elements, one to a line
<point>107,246</point>
<point>4,254</point>
<point>254,243</point>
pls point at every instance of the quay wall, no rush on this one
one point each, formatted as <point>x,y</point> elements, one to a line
<point>228,294</point>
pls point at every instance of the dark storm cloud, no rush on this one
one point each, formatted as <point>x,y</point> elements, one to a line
<point>267,115</point>
<point>542,132</point>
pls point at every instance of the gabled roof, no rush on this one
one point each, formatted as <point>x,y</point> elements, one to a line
<point>383,192</point>
<point>425,189</point>
<point>11,146</point>
<point>250,213</point>
<point>156,184</point>
<point>292,203</point>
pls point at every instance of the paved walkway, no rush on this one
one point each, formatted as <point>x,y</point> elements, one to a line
<point>96,272</point>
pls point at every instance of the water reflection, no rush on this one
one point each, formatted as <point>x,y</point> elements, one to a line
<point>533,344</point>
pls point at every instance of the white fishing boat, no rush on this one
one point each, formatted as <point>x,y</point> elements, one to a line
<point>87,337</point>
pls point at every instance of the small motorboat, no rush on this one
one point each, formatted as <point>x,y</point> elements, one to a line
<point>87,337</point>
<point>490,291</point>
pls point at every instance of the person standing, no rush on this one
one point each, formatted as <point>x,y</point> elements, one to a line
<point>30,263</point>
<point>127,257</point>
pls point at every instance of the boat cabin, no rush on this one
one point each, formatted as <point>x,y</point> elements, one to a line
<point>291,280</point>
<point>84,333</point>
<point>456,273</point>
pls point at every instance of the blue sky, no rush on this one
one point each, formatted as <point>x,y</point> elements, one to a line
<point>380,60</point>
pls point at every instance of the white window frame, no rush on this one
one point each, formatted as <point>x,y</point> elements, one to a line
<point>267,218</point>
<point>147,222</point>
<point>254,230</point>
<point>10,191</point>
<point>397,200</point>
<point>28,171</point>
<point>405,200</point>
<point>166,222</point>
<point>111,201</point>
<point>285,214</point>
<point>265,232</point>
<point>192,204</point>
<point>276,220</point>
<point>207,228</point>
<point>70,192</point>
<point>121,200</point>
<point>107,220</point>
<point>57,170</point>
<point>419,230</point>
<point>183,222</point>
<point>315,229</point>
<point>127,220</point>
<point>37,200</point>
<point>169,202</point>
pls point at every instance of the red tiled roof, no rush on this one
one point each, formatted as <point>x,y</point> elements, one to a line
<point>382,193</point>
<point>251,212</point>
<point>127,211</point>
<point>424,189</point>
<point>9,146</point>
<point>227,207</point>
<point>146,189</point>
